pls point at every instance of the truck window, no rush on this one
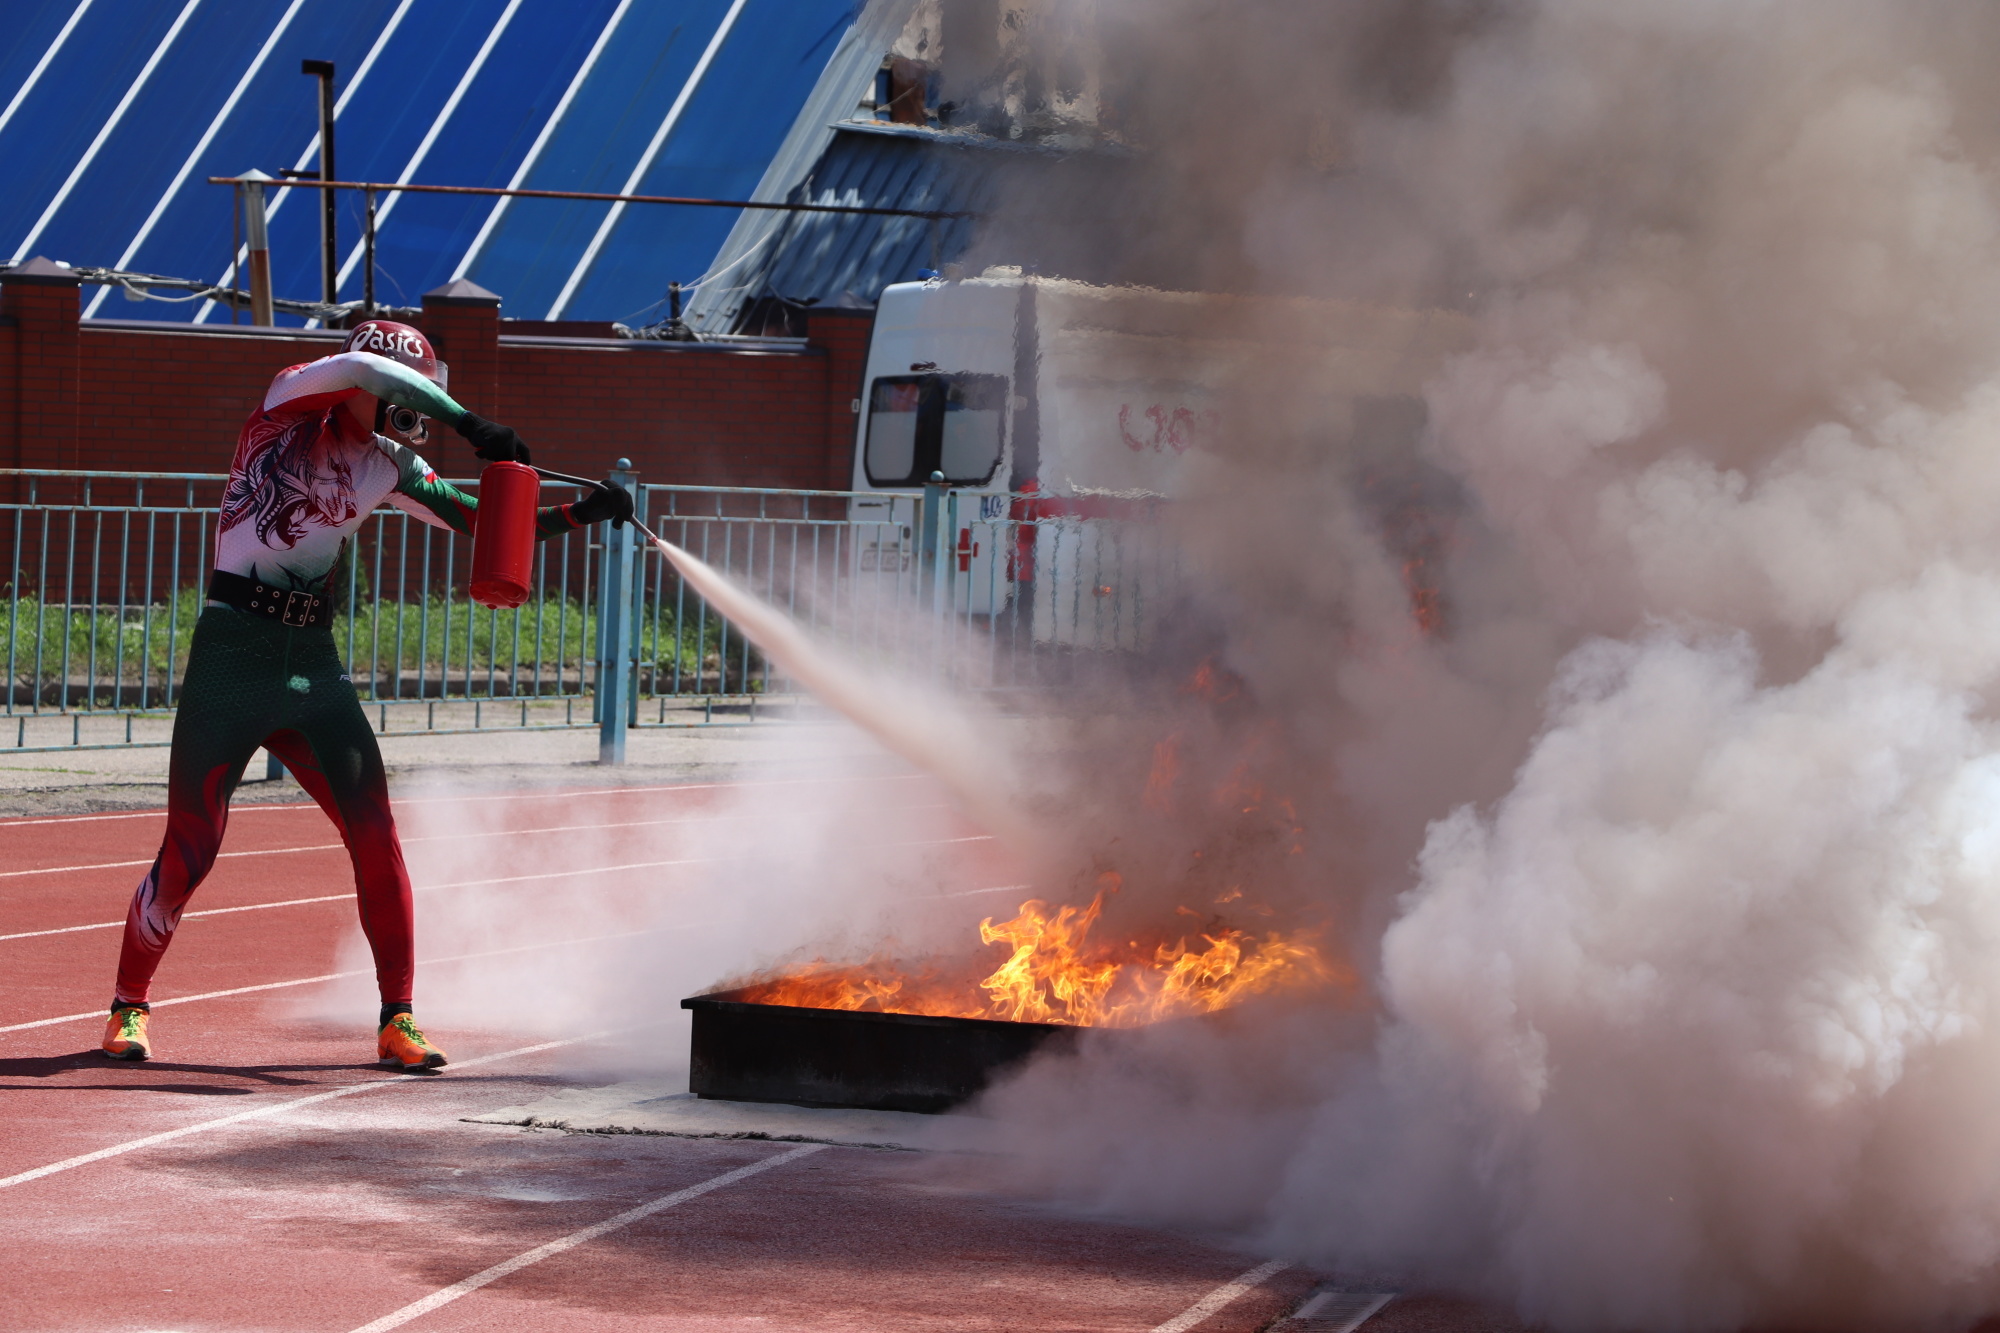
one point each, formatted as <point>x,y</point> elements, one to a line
<point>920,424</point>
<point>969,441</point>
<point>892,429</point>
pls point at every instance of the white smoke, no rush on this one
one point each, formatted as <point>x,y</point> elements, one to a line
<point>1688,995</point>
<point>1673,865</point>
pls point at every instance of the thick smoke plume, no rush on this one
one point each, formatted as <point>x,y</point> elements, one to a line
<point>1673,856</point>
<point>1623,719</point>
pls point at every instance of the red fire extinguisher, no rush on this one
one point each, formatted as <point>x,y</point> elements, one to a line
<point>503,534</point>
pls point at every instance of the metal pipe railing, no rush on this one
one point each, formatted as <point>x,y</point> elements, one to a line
<point>108,573</point>
<point>599,196</point>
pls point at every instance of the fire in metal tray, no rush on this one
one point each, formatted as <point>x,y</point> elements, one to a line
<point>873,1035</point>
<point>1054,973</point>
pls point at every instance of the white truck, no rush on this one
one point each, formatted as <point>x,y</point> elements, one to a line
<point>1052,416</point>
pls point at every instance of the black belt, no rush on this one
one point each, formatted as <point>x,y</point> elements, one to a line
<point>299,610</point>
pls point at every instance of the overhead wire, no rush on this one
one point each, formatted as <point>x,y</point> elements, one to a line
<point>139,287</point>
<point>686,287</point>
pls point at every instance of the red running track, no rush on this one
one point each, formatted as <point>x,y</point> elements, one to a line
<point>263,1174</point>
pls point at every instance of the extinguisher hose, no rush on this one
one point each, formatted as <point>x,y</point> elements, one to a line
<point>548,475</point>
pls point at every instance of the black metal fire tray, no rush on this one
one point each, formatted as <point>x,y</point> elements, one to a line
<point>749,1052</point>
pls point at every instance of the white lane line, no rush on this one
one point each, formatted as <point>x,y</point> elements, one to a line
<point>655,865</point>
<point>466,1286</point>
<point>592,870</point>
<point>570,872</point>
<point>920,898</point>
<point>624,823</point>
<point>127,865</point>
<point>276,1108</point>
<point>187,999</point>
<point>357,972</point>
<point>556,793</point>
<point>1221,1296</point>
<point>430,837</point>
<point>142,814</point>
<point>1338,1311</point>
<point>185,916</point>
<point>335,846</point>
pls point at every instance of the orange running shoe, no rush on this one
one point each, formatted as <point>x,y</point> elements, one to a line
<point>400,1046</point>
<point>125,1035</point>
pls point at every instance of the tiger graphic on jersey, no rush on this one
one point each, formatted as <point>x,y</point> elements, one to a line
<point>286,483</point>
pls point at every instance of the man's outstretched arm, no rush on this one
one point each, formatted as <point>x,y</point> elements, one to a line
<point>421,492</point>
<point>340,375</point>
<point>395,383</point>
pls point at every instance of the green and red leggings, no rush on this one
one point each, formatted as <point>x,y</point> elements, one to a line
<point>253,682</point>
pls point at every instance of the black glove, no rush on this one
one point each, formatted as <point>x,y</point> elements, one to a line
<point>492,441</point>
<point>610,501</point>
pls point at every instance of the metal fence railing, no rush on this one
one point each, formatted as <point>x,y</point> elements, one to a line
<point>108,571</point>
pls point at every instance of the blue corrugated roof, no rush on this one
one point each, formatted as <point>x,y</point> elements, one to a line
<point>806,259</point>
<point>113,113</point>
<point>825,258</point>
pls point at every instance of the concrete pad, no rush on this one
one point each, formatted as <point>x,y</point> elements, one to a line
<point>654,1107</point>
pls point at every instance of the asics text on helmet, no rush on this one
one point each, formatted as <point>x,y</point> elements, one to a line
<point>398,342</point>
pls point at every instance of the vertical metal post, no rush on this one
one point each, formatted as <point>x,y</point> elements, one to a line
<point>368,259</point>
<point>948,551</point>
<point>235,249</point>
<point>323,71</point>
<point>257,256</point>
<point>636,602</point>
<point>614,608</point>
<point>930,530</point>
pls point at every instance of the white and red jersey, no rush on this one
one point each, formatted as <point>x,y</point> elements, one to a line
<point>306,475</point>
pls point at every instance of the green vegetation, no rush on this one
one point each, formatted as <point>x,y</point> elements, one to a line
<point>46,642</point>
<point>50,643</point>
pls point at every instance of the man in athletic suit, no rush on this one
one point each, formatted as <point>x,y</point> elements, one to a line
<point>331,440</point>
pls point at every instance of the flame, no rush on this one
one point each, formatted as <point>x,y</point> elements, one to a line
<point>1054,974</point>
<point>1215,684</point>
<point>873,987</point>
<point>1427,606</point>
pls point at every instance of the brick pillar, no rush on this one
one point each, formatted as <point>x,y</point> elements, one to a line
<point>38,299</point>
<point>842,336</point>
<point>462,320</point>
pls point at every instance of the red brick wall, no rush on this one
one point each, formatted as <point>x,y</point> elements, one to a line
<point>10,412</point>
<point>42,374</point>
<point>845,338</point>
<point>106,396</point>
<point>693,414</point>
<point>165,402</point>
